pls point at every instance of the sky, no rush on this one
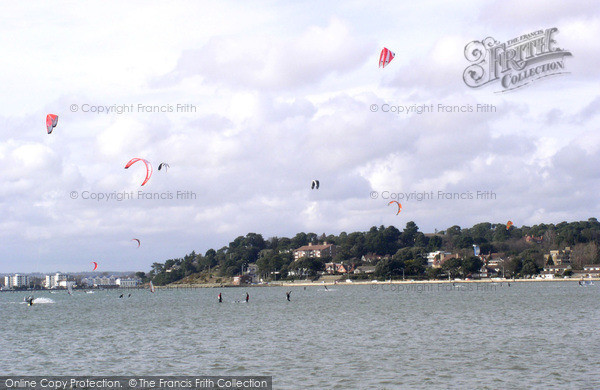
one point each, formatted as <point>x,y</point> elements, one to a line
<point>248,103</point>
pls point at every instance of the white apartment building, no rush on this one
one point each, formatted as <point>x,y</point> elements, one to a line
<point>16,280</point>
<point>54,281</point>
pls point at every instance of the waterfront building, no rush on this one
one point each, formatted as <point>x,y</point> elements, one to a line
<point>16,280</point>
<point>311,250</point>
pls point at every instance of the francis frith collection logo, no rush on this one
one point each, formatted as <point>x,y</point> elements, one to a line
<point>515,63</point>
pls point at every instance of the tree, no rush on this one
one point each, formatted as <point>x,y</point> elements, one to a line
<point>299,240</point>
<point>583,254</point>
<point>568,272</point>
<point>434,244</point>
<point>433,273</point>
<point>452,267</point>
<point>141,275</point>
<point>309,264</point>
<point>529,268</point>
<point>389,268</point>
<point>513,266</point>
<point>409,233</point>
<point>470,264</point>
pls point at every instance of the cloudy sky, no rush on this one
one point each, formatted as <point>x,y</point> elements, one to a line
<point>278,94</point>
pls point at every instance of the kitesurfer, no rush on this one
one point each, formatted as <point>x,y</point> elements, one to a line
<point>287,294</point>
<point>247,297</point>
<point>220,298</point>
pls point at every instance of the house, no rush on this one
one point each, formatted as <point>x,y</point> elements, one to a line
<point>547,275</point>
<point>494,259</point>
<point>300,272</point>
<point>252,271</point>
<point>176,267</point>
<point>592,270</point>
<point>534,240</point>
<point>448,257</point>
<point>492,272</point>
<point>434,259</point>
<point>364,269</point>
<point>242,279</point>
<point>555,270</point>
<point>372,258</point>
<point>100,281</point>
<point>127,283</point>
<point>338,268</point>
<point>560,257</point>
<point>311,250</point>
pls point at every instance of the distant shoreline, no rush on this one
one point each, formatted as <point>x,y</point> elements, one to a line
<point>303,283</point>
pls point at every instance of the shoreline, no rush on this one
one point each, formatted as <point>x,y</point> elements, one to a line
<point>303,283</point>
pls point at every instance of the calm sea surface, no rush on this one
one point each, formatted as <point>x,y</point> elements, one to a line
<point>528,335</point>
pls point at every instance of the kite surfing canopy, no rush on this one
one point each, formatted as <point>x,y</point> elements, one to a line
<point>399,205</point>
<point>51,122</point>
<point>385,57</point>
<point>148,167</point>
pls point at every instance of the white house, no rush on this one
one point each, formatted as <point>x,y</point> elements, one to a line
<point>126,283</point>
<point>434,259</point>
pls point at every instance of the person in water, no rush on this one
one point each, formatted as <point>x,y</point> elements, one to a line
<point>288,295</point>
<point>247,297</point>
<point>121,296</point>
<point>29,300</point>
<point>220,298</point>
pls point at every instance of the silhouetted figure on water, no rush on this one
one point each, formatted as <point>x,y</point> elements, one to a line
<point>287,294</point>
<point>220,298</point>
<point>247,297</point>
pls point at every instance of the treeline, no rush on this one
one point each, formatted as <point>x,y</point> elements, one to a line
<point>406,251</point>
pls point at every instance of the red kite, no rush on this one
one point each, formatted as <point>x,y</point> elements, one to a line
<point>51,122</point>
<point>148,167</point>
<point>385,57</point>
<point>399,206</point>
